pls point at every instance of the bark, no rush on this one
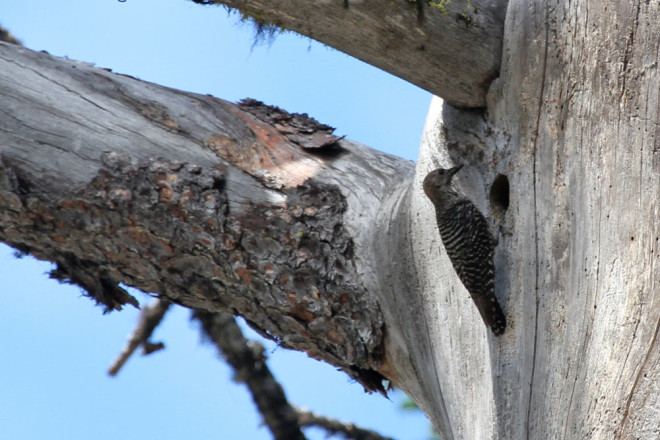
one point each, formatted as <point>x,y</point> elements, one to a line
<point>212,205</point>
<point>452,49</point>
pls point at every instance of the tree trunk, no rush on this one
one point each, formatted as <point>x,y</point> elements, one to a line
<point>332,248</point>
<point>577,104</point>
<point>573,124</point>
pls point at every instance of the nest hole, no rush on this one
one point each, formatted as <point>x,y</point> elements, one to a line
<point>499,195</point>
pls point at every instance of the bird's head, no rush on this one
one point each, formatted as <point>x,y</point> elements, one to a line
<point>438,181</point>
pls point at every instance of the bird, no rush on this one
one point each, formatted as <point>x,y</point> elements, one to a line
<point>468,242</point>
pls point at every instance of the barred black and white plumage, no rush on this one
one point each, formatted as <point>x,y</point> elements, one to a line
<point>469,244</point>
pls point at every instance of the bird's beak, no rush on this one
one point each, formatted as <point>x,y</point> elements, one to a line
<point>455,170</point>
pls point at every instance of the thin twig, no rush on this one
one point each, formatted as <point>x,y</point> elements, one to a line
<point>334,426</point>
<point>150,317</point>
<point>249,362</point>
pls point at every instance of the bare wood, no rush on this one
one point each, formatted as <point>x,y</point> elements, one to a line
<point>574,122</point>
<point>452,51</point>
<point>589,301</point>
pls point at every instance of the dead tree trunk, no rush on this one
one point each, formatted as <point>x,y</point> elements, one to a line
<point>570,145</point>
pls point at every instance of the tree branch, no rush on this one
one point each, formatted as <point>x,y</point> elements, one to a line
<point>334,426</point>
<point>452,49</point>
<point>249,363</point>
<point>212,205</point>
<point>150,317</point>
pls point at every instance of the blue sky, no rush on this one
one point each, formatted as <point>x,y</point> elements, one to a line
<point>57,346</point>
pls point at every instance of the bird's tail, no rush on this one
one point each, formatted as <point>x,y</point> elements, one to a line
<point>492,314</point>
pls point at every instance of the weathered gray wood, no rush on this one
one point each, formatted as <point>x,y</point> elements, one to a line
<point>574,122</point>
<point>452,49</point>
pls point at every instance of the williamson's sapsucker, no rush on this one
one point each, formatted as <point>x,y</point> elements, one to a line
<point>469,244</point>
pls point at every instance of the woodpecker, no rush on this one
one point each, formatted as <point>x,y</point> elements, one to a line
<point>469,244</point>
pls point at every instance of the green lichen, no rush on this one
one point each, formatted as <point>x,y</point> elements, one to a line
<point>441,5</point>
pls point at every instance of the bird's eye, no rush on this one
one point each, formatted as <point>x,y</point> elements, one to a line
<point>441,172</point>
